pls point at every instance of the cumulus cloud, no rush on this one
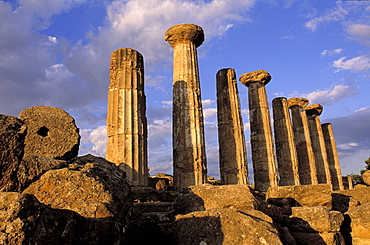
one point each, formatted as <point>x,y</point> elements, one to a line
<point>330,95</point>
<point>356,64</point>
<point>359,32</point>
<point>94,141</point>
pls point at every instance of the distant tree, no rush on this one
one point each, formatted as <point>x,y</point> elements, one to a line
<point>367,161</point>
<point>356,179</point>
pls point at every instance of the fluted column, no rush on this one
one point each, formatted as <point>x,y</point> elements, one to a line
<point>232,148</point>
<point>306,158</point>
<point>333,160</point>
<point>318,143</point>
<point>263,156</point>
<point>126,119</point>
<point>189,154</point>
<point>286,153</point>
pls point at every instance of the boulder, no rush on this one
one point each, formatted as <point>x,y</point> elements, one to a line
<point>32,167</point>
<point>225,226</point>
<point>315,219</point>
<point>52,133</point>
<point>206,197</point>
<point>12,137</point>
<point>89,186</point>
<point>24,220</point>
<point>366,177</point>
<point>304,195</point>
<point>360,224</point>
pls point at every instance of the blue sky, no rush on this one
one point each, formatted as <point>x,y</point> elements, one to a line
<point>56,53</point>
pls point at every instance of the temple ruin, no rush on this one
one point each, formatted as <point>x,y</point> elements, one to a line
<point>189,154</point>
<point>126,118</point>
<point>232,147</point>
<point>300,152</point>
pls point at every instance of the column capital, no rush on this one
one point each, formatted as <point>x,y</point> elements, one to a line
<point>314,110</point>
<point>261,76</point>
<point>302,102</point>
<point>184,33</point>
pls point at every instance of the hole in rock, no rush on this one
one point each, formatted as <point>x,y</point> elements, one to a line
<point>43,131</point>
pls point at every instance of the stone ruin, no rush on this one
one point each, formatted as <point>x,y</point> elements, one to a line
<point>50,195</point>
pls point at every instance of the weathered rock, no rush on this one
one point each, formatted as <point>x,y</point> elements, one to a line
<point>51,133</point>
<point>306,238</point>
<point>90,186</point>
<point>360,224</point>
<point>366,177</point>
<point>224,226</point>
<point>32,167</point>
<point>361,194</point>
<point>24,220</point>
<point>315,219</point>
<point>12,135</point>
<point>161,181</point>
<point>206,197</point>
<point>343,203</point>
<point>305,195</point>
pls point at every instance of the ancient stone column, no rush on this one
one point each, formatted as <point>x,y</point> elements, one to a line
<point>332,154</point>
<point>232,148</point>
<point>318,143</point>
<point>126,120</point>
<point>263,156</point>
<point>347,182</point>
<point>189,155</point>
<point>306,158</point>
<point>286,153</point>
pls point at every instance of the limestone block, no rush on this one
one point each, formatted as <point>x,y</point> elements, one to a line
<point>224,226</point>
<point>305,195</point>
<point>306,238</point>
<point>24,220</point>
<point>12,135</point>
<point>360,224</point>
<point>206,197</point>
<point>366,177</point>
<point>360,194</point>
<point>89,186</point>
<point>315,219</point>
<point>51,133</point>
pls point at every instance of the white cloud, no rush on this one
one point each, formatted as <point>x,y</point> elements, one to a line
<point>207,103</point>
<point>335,14</point>
<point>209,113</point>
<point>328,96</point>
<point>356,64</point>
<point>331,52</point>
<point>94,141</point>
<point>360,32</point>
<point>347,146</point>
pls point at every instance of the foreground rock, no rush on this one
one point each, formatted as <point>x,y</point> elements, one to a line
<point>52,133</point>
<point>303,194</point>
<point>12,135</point>
<point>366,177</point>
<point>24,220</point>
<point>206,197</point>
<point>225,226</point>
<point>89,186</point>
<point>361,194</point>
<point>360,224</point>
